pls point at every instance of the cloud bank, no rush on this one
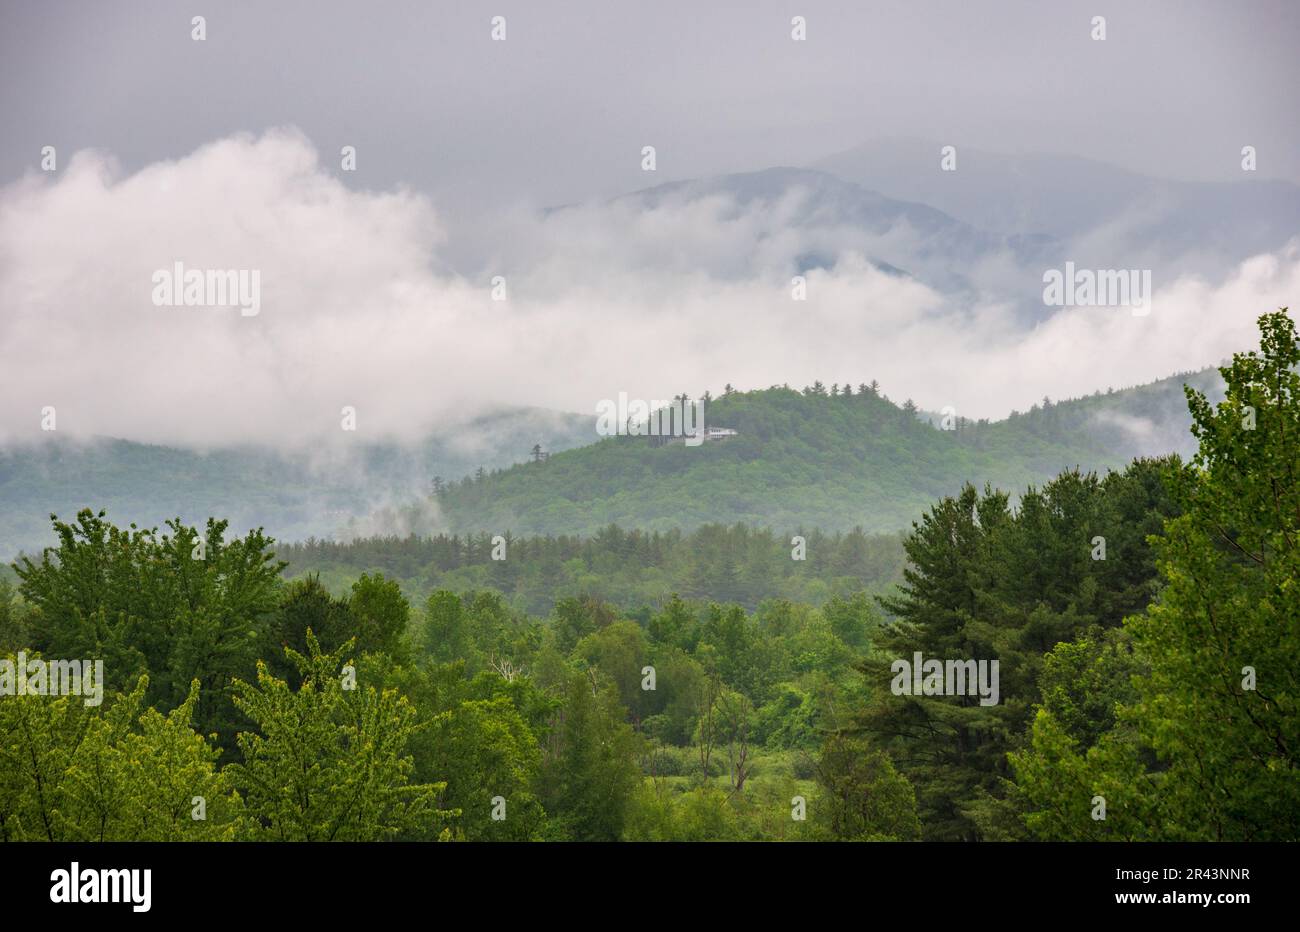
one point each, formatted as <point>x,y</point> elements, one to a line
<point>369,300</point>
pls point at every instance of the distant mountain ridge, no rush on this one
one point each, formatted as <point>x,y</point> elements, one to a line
<point>949,230</point>
<point>1070,199</point>
<point>798,460</point>
<point>988,230</point>
<point>295,495</point>
<point>834,215</point>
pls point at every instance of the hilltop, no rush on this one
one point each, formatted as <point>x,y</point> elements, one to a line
<point>818,458</point>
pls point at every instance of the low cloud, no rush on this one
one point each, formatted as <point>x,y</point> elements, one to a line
<point>370,300</point>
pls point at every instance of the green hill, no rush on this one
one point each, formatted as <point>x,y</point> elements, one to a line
<point>800,460</point>
<point>804,459</point>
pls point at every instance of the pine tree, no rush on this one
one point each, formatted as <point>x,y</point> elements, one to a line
<point>590,771</point>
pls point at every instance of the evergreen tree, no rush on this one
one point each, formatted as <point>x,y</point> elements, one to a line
<point>590,771</point>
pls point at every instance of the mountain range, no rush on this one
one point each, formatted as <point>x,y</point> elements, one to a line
<point>799,459</point>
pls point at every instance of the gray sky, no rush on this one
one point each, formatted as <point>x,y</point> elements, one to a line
<point>560,110</point>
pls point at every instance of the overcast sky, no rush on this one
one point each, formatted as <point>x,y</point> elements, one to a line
<point>560,110</point>
<point>224,154</point>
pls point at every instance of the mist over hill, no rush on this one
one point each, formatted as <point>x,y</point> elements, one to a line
<point>932,268</point>
<point>1069,197</point>
<point>798,460</point>
<point>428,422</point>
<point>814,218</point>
<point>333,490</point>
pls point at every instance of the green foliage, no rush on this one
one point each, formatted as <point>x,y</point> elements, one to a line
<point>989,582</point>
<point>306,605</point>
<point>179,606</point>
<point>626,568</point>
<point>589,770</point>
<point>381,616</point>
<point>807,459</point>
<point>656,813</point>
<point>619,652</point>
<point>679,679</point>
<point>1084,682</point>
<point>863,798</point>
<point>788,720</point>
<point>445,634</point>
<point>329,763</point>
<point>14,630</point>
<point>490,760</point>
<point>1145,623</point>
<point>469,706</point>
<point>1204,746</point>
<point>72,772</point>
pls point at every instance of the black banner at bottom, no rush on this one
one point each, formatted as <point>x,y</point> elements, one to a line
<point>334,881</point>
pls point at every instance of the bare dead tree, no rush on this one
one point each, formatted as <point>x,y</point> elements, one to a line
<point>506,668</point>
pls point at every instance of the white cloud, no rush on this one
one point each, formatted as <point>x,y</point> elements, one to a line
<point>360,306</point>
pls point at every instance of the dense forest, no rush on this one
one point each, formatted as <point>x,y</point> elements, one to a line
<point>628,568</point>
<point>642,686</point>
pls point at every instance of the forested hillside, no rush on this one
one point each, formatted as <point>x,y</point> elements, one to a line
<point>1144,626</point>
<point>820,457</point>
<point>788,468</point>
